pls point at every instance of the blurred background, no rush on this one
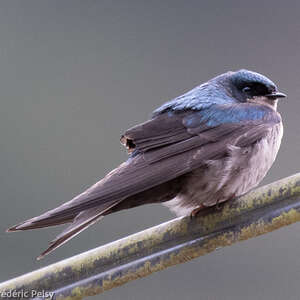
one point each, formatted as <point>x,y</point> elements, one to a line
<point>75,74</point>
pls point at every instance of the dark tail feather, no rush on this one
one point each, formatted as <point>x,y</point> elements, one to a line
<point>41,221</point>
<point>79,222</point>
<point>84,220</point>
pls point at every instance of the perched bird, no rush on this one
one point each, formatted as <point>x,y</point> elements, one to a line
<point>211,144</point>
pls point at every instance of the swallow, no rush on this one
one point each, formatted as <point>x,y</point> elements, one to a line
<point>209,145</point>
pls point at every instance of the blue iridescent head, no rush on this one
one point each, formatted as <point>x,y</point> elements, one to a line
<point>228,88</point>
<point>247,86</point>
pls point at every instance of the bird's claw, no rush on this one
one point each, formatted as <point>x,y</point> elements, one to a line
<point>196,210</point>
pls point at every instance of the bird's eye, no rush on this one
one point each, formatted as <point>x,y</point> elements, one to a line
<point>246,89</point>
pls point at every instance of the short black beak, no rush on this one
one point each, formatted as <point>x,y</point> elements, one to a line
<point>276,95</point>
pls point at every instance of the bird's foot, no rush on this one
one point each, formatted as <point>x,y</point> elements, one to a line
<point>196,210</point>
<point>218,205</point>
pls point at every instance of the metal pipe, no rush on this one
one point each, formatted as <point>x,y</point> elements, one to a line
<point>93,272</point>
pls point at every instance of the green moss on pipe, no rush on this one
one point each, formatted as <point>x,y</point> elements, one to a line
<point>258,212</point>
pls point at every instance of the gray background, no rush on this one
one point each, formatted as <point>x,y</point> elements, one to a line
<point>75,74</point>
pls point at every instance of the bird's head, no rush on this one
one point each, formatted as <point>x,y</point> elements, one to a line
<point>248,86</point>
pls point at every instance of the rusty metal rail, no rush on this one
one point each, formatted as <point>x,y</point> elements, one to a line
<point>260,211</point>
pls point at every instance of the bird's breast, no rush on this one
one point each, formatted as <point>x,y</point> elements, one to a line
<point>228,177</point>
